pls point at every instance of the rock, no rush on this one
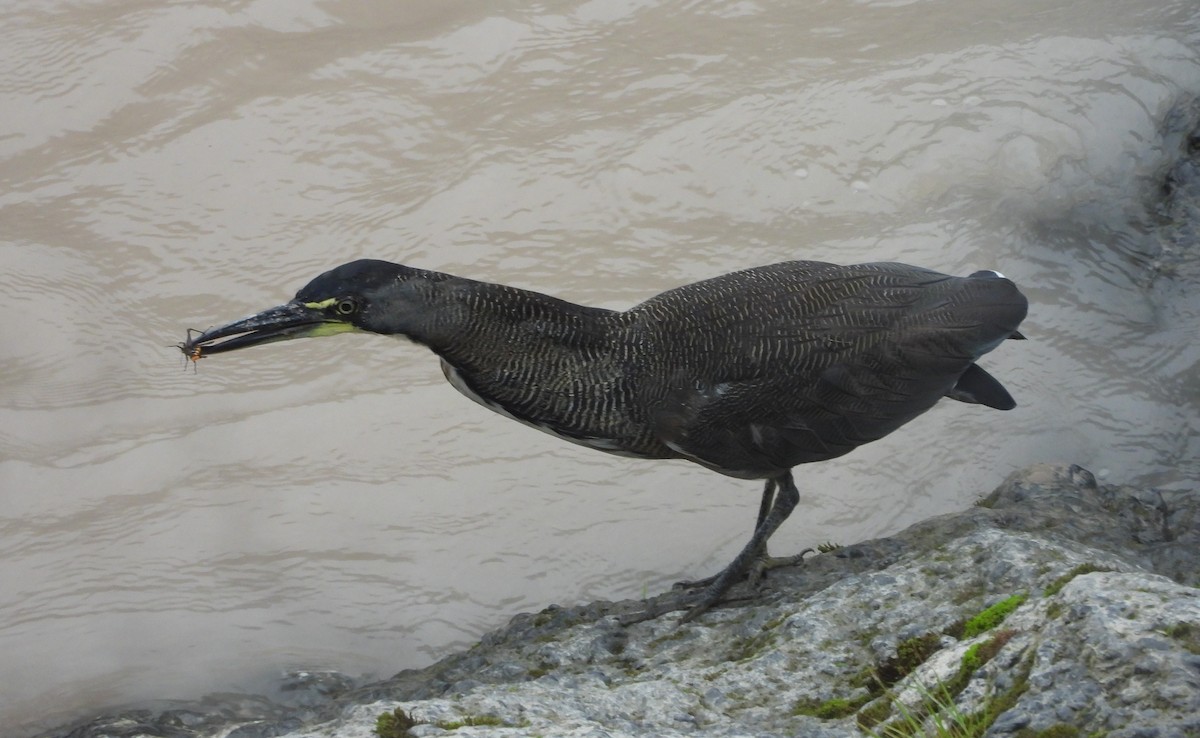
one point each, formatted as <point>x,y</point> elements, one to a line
<point>1056,601</point>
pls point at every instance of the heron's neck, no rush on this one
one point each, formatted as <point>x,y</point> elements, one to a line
<point>555,365</point>
<point>483,326</point>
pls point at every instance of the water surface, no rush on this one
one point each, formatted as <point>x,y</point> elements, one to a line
<point>166,532</point>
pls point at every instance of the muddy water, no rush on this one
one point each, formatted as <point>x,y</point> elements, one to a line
<point>333,503</point>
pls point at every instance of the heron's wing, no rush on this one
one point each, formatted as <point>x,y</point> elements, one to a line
<point>805,373</point>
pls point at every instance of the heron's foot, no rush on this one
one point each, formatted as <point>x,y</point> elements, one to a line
<point>760,566</point>
<point>681,602</point>
<point>715,589</point>
<point>695,583</point>
<point>652,612</point>
<point>715,592</point>
<point>757,571</point>
<point>753,571</point>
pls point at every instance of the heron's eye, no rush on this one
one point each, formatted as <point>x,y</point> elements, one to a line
<point>345,306</point>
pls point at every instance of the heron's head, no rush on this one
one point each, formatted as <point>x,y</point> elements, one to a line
<point>360,295</point>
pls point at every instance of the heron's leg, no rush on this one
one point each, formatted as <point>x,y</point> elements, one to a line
<point>764,562</point>
<point>764,507</point>
<point>782,507</point>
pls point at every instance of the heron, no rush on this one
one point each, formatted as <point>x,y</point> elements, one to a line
<point>749,374</point>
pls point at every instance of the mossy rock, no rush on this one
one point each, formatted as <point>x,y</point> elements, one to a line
<point>831,709</point>
<point>394,724</point>
<point>986,619</point>
<point>1054,731</point>
<point>910,653</point>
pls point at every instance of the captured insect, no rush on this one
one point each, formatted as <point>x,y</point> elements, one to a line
<point>190,350</point>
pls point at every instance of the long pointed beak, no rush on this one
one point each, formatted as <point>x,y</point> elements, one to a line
<point>293,320</point>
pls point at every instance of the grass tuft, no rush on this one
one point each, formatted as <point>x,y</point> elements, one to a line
<point>394,724</point>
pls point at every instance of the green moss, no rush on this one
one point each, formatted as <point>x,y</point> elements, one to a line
<point>1187,634</point>
<point>910,653</point>
<point>992,646</point>
<point>774,622</point>
<point>836,708</point>
<point>745,649</point>
<point>942,699</point>
<point>394,724</point>
<point>829,709</point>
<point>972,661</point>
<point>1001,703</point>
<point>874,713</point>
<point>471,721</point>
<point>937,707</point>
<point>1054,731</point>
<point>1056,586</point>
<point>866,678</point>
<point>981,653</point>
<point>672,635</point>
<point>987,619</point>
<point>935,716</point>
<point>914,651</point>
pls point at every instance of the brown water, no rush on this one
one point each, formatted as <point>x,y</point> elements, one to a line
<point>334,503</point>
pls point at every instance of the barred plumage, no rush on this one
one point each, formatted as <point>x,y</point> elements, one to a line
<point>749,374</point>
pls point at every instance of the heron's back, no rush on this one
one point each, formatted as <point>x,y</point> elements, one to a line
<point>756,371</point>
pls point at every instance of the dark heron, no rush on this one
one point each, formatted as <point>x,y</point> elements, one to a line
<point>748,374</point>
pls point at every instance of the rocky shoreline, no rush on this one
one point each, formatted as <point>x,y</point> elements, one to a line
<point>1055,607</point>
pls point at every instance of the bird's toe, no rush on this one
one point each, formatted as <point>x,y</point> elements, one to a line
<point>695,583</point>
<point>766,563</point>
